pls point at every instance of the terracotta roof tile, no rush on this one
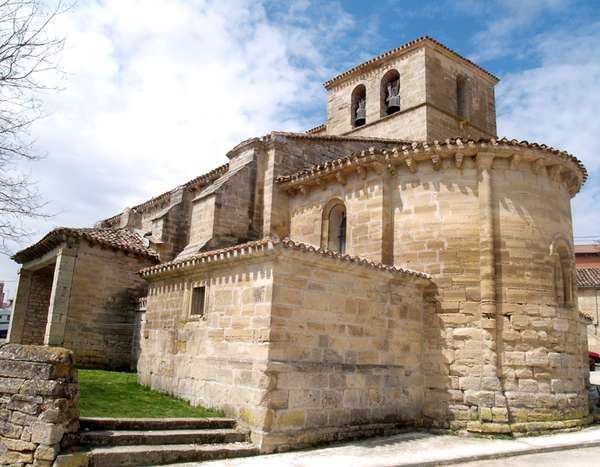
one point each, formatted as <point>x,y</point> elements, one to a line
<point>585,315</point>
<point>203,179</point>
<point>594,248</point>
<point>317,128</point>
<point>588,278</point>
<point>118,239</point>
<point>408,45</point>
<point>266,244</point>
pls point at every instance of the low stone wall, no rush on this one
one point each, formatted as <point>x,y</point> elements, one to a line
<point>38,404</point>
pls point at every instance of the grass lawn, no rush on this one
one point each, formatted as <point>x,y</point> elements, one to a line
<point>117,394</point>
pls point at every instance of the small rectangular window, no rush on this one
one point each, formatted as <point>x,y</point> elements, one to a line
<point>198,301</point>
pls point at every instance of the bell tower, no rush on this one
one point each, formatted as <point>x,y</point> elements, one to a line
<point>420,91</point>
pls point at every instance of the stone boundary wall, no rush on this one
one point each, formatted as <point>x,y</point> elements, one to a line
<point>38,404</point>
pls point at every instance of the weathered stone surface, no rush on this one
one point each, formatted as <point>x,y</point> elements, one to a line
<point>47,453</point>
<point>316,342</point>
<point>35,420</point>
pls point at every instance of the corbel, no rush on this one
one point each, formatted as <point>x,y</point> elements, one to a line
<point>436,161</point>
<point>485,160</point>
<point>362,171</point>
<point>458,160</point>
<point>411,164</point>
<point>538,166</point>
<point>555,173</point>
<point>515,162</point>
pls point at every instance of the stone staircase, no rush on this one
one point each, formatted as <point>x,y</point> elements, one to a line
<point>114,442</point>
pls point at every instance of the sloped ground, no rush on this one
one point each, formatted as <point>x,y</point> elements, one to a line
<point>117,394</point>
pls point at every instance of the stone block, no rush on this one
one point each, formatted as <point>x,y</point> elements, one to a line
<point>17,444</point>
<point>72,460</point>
<point>16,457</point>
<point>291,419</point>
<point>537,358</point>
<point>46,433</point>
<point>31,405</point>
<point>46,453</point>
<point>11,385</point>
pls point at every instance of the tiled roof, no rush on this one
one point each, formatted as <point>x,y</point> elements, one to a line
<point>588,249</point>
<point>307,135</point>
<point>402,48</point>
<point>118,239</point>
<point>432,146</point>
<point>269,244</point>
<point>585,315</point>
<point>164,197</point>
<point>588,278</point>
<point>320,127</point>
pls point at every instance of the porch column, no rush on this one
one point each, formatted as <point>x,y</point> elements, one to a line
<point>17,318</point>
<point>59,298</point>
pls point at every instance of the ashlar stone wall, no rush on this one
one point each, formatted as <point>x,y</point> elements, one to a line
<point>301,347</point>
<point>492,226</point>
<point>38,404</point>
<point>101,319</point>
<point>346,350</point>
<point>84,299</point>
<point>428,98</point>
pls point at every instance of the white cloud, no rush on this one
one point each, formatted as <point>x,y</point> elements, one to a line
<point>511,18</point>
<point>156,92</point>
<point>557,103</point>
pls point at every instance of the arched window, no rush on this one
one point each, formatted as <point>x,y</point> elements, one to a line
<point>333,232</point>
<point>390,93</point>
<point>461,97</point>
<point>359,106</point>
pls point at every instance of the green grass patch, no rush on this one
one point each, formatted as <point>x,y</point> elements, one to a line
<point>117,394</point>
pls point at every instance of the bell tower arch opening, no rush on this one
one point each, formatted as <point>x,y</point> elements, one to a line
<point>389,93</point>
<point>358,114</point>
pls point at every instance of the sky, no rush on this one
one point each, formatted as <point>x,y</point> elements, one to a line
<point>155,92</point>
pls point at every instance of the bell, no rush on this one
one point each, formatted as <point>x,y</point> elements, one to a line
<point>361,116</point>
<point>393,104</point>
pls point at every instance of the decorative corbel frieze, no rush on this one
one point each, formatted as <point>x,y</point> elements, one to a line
<point>485,160</point>
<point>458,160</point>
<point>410,163</point>
<point>515,162</point>
<point>361,171</point>
<point>303,189</point>
<point>538,166</point>
<point>555,173</point>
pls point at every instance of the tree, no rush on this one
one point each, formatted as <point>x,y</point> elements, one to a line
<point>28,53</point>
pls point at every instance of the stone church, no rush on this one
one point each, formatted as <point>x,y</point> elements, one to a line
<point>399,265</point>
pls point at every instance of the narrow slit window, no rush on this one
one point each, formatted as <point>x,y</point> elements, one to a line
<point>461,97</point>
<point>198,301</point>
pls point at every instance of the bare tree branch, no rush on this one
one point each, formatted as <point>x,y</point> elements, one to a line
<point>27,53</point>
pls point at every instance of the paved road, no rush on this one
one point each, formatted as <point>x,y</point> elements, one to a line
<point>587,457</point>
<point>425,448</point>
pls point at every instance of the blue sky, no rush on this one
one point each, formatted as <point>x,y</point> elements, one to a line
<point>156,91</point>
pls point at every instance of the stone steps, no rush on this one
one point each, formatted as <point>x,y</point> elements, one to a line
<point>148,441</point>
<point>160,437</point>
<point>156,455</point>
<point>101,423</point>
